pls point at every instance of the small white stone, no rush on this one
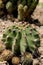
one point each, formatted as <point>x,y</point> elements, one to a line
<point>35,62</point>
<point>40,50</point>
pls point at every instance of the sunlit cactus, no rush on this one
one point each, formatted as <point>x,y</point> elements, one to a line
<point>20,40</point>
<point>20,12</point>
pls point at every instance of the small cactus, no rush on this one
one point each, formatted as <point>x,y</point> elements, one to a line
<point>9,7</point>
<point>20,12</point>
<point>28,59</point>
<point>15,60</point>
<point>6,55</point>
<point>20,40</point>
<point>28,8</point>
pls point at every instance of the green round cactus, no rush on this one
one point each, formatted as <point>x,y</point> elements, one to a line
<point>20,40</point>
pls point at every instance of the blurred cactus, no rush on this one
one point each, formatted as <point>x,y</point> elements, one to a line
<point>28,59</point>
<point>6,55</point>
<point>1,4</point>
<point>15,60</point>
<point>23,8</point>
<point>9,7</point>
<point>28,8</point>
<point>2,47</point>
<point>1,13</point>
<point>1,8</point>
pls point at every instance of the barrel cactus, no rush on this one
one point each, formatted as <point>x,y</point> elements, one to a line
<point>20,39</point>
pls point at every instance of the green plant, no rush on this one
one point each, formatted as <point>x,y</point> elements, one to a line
<point>26,8</point>
<point>20,39</point>
<point>27,59</point>
<point>22,8</point>
<point>2,47</point>
<point>9,6</point>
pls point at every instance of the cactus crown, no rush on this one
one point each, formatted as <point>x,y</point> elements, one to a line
<point>20,40</point>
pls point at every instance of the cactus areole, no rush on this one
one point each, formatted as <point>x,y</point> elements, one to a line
<point>21,40</point>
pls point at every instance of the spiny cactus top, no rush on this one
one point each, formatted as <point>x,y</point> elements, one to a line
<point>20,40</point>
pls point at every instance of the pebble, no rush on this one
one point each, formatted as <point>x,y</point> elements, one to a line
<point>4,63</point>
<point>35,62</point>
<point>40,49</point>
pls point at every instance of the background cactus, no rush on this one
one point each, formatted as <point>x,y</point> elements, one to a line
<point>28,8</point>
<point>21,8</point>
<point>9,6</point>
<point>20,40</point>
